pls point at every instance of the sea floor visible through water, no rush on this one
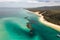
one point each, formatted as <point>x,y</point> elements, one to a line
<point>13,26</point>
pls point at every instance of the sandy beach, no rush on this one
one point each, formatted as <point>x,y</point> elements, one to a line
<point>48,24</point>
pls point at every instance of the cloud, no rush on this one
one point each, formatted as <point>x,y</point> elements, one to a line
<point>30,1</point>
<point>48,0</point>
<point>19,1</point>
<point>7,0</point>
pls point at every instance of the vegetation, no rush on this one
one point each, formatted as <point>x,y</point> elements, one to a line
<point>52,16</point>
<point>52,13</point>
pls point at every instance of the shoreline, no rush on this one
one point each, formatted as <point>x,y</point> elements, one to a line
<point>51,25</point>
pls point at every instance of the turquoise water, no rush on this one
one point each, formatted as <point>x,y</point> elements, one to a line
<point>13,27</point>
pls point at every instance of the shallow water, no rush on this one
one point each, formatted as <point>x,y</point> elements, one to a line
<point>13,26</point>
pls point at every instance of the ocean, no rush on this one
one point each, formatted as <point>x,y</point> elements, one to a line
<point>13,26</point>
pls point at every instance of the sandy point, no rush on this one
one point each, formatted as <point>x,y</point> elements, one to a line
<point>48,24</point>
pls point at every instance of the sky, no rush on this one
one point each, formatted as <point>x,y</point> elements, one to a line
<point>48,0</point>
<point>30,3</point>
<point>30,0</point>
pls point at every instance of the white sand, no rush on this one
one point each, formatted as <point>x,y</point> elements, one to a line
<point>48,24</point>
<point>36,13</point>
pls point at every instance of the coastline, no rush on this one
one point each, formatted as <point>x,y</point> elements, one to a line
<point>51,25</point>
